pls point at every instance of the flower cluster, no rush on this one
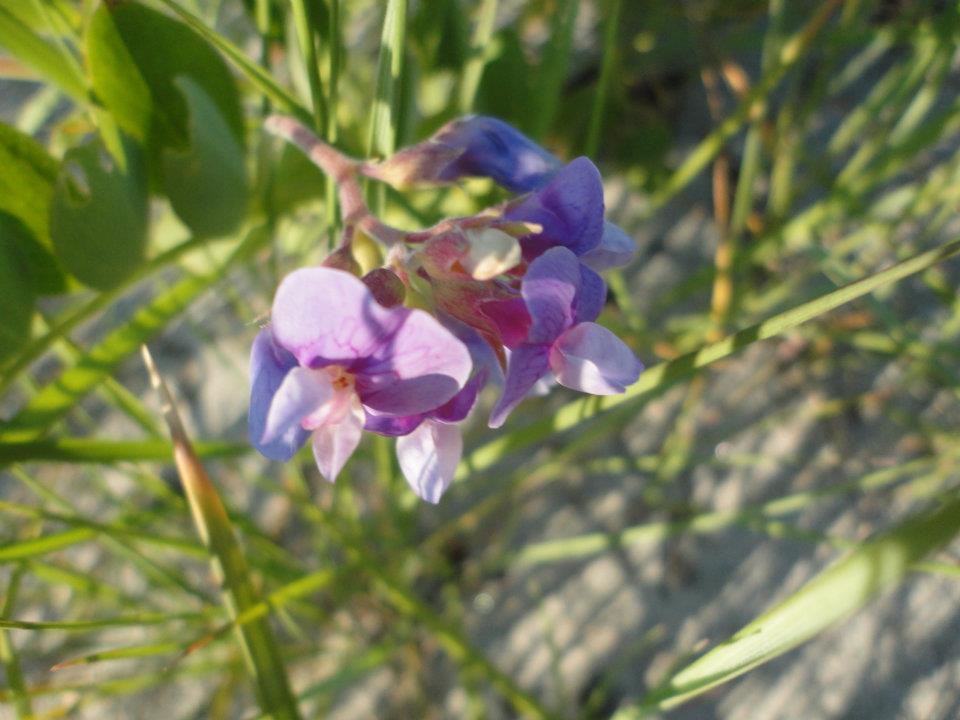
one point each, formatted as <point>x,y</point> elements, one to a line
<point>509,295</point>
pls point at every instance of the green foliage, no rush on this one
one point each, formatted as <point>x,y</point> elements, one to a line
<point>98,213</point>
<point>793,169</point>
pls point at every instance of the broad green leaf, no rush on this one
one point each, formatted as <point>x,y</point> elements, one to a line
<point>56,398</point>
<point>206,182</point>
<point>50,61</point>
<point>116,79</point>
<point>834,594</point>
<point>163,50</point>
<point>26,187</point>
<point>16,290</point>
<point>98,215</point>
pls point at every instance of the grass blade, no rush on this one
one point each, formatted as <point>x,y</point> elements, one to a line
<point>8,654</point>
<point>229,565</point>
<point>834,594</point>
<point>84,450</point>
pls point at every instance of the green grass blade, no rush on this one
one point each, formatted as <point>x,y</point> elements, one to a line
<point>84,450</point>
<point>8,654</point>
<point>59,397</point>
<point>663,375</point>
<point>603,83</point>
<point>382,138</point>
<point>831,596</point>
<point>473,67</point>
<point>43,545</point>
<point>229,566</point>
<point>306,38</point>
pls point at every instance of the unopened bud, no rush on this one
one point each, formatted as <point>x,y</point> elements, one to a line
<point>492,252</point>
<point>387,288</point>
<point>342,259</point>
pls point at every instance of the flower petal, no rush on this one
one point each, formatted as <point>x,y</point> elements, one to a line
<point>459,406</point>
<point>616,249</point>
<point>302,392</point>
<point>592,296</point>
<point>590,358</point>
<point>527,364</point>
<point>334,443</point>
<point>549,289</point>
<point>418,369</point>
<point>269,365</point>
<point>569,209</point>
<point>392,425</point>
<point>328,317</point>
<point>428,458</point>
<point>491,148</point>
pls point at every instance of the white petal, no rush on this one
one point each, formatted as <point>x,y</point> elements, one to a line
<point>302,392</point>
<point>429,457</point>
<point>334,443</point>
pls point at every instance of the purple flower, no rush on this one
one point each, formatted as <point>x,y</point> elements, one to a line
<point>562,338</point>
<point>332,355</point>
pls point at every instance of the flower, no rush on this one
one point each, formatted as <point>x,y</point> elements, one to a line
<point>562,338</point>
<point>333,356</point>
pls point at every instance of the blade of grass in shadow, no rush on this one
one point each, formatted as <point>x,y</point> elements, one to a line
<point>603,83</point>
<point>59,396</point>
<point>306,38</point>
<point>8,654</point>
<point>553,66</point>
<point>384,120</point>
<point>229,566</point>
<point>477,61</point>
<point>664,374</point>
<point>834,594</point>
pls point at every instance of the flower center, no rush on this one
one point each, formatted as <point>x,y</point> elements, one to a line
<point>340,379</point>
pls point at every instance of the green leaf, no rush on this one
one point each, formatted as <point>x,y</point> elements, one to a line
<point>16,290</point>
<point>163,50</point>
<point>98,216</point>
<point>206,182</point>
<point>116,79</point>
<point>831,596</point>
<point>50,61</point>
<point>26,186</point>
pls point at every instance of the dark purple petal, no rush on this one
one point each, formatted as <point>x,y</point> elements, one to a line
<point>392,425</point>
<point>429,457</point>
<point>491,148</point>
<point>590,358</point>
<point>459,406</point>
<point>549,289</point>
<point>592,296</point>
<point>616,249</point>
<point>510,317</point>
<point>334,443</point>
<point>528,363</point>
<point>269,365</point>
<point>569,209</point>
<point>328,317</point>
<point>418,369</point>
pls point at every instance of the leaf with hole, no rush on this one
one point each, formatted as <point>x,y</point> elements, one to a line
<point>98,216</point>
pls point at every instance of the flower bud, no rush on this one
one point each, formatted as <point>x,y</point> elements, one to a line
<point>387,288</point>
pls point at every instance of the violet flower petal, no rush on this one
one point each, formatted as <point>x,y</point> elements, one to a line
<point>616,249</point>
<point>269,365</point>
<point>527,364</point>
<point>592,296</point>
<point>392,425</point>
<point>301,393</point>
<point>549,289</point>
<point>328,317</point>
<point>334,443</point>
<point>569,209</point>
<point>492,148</point>
<point>590,358</point>
<point>418,369</point>
<point>429,457</point>
<point>459,406</point>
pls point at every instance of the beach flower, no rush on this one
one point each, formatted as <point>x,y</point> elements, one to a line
<point>562,339</point>
<point>333,354</point>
